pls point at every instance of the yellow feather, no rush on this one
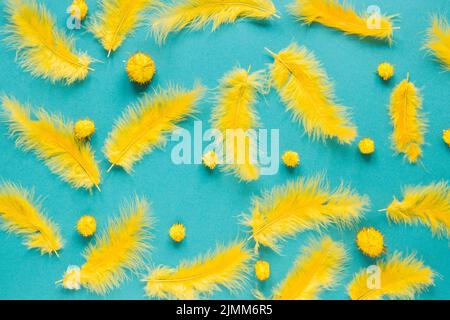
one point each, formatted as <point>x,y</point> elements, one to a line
<point>226,267</point>
<point>429,205</point>
<point>116,20</point>
<point>316,269</point>
<point>343,17</point>
<point>195,14</point>
<point>302,205</point>
<point>409,126</point>
<point>21,214</point>
<point>53,141</point>
<point>143,127</point>
<point>42,49</point>
<point>120,249</point>
<point>308,94</point>
<point>235,114</point>
<point>400,278</point>
<point>438,41</point>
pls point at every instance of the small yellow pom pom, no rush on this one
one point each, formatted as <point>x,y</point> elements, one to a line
<point>366,146</point>
<point>291,159</point>
<point>370,241</point>
<point>446,136</point>
<point>84,129</point>
<point>140,68</point>
<point>385,71</point>
<point>210,159</point>
<point>79,7</point>
<point>177,232</point>
<point>262,270</point>
<point>86,226</point>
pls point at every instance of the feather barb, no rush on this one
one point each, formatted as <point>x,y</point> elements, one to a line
<point>225,267</point>
<point>318,268</point>
<point>53,141</point>
<point>399,278</point>
<point>302,205</point>
<point>21,214</point>
<point>143,127</point>
<point>409,126</point>
<point>438,40</point>
<point>307,93</point>
<point>43,50</point>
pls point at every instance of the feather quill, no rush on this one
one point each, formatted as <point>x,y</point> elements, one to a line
<point>307,93</point>
<point>438,40</point>
<point>43,50</point>
<point>116,20</point>
<point>195,14</point>
<point>225,267</point>
<point>302,205</point>
<point>233,116</point>
<point>118,250</point>
<point>409,126</point>
<point>143,127</point>
<point>343,17</point>
<point>53,141</point>
<point>397,278</point>
<point>429,205</point>
<point>21,214</point>
<point>316,269</point>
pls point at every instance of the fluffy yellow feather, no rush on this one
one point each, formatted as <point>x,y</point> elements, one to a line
<point>409,126</point>
<point>116,20</point>
<point>429,205</point>
<point>142,127</point>
<point>120,249</point>
<point>302,205</point>
<point>307,93</point>
<point>318,268</point>
<point>21,214</point>
<point>42,49</point>
<point>54,142</point>
<point>225,267</point>
<point>438,41</point>
<point>397,278</point>
<point>343,17</point>
<point>195,14</point>
<point>233,116</point>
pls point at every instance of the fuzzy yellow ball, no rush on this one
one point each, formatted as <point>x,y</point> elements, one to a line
<point>385,71</point>
<point>86,226</point>
<point>366,146</point>
<point>79,7</point>
<point>140,68</point>
<point>262,270</point>
<point>446,136</point>
<point>84,129</point>
<point>210,160</point>
<point>370,241</point>
<point>291,159</point>
<point>177,232</point>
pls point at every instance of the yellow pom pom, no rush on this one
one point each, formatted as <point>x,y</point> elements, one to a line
<point>79,7</point>
<point>446,136</point>
<point>177,232</point>
<point>291,159</point>
<point>262,270</point>
<point>84,129</point>
<point>86,226</point>
<point>385,71</point>
<point>140,68</point>
<point>210,159</point>
<point>370,241</point>
<point>366,146</point>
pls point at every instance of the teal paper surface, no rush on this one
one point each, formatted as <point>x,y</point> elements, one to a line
<point>210,205</point>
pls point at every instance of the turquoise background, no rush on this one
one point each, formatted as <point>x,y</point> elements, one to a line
<point>210,204</point>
